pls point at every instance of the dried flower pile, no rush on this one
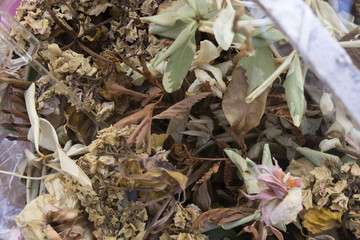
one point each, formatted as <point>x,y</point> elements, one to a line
<point>206,118</point>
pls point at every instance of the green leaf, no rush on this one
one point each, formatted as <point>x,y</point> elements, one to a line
<point>240,38</point>
<point>318,158</point>
<point>271,35</point>
<point>206,8</point>
<point>268,37</point>
<point>294,91</point>
<point>186,11</point>
<point>171,15</point>
<point>258,67</point>
<point>179,63</point>
<point>179,43</point>
<point>165,19</point>
<point>281,226</point>
<point>192,4</point>
<point>245,167</point>
<point>171,31</point>
<point>236,223</point>
<point>202,8</point>
<point>266,157</point>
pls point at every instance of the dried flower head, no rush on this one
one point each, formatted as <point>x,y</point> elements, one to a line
<point>281,197</point>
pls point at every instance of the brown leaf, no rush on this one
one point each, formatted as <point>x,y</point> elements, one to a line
<point>51,234</point>
<point>134,118</point>
<point>202,197</point>
<point>222,215</point>
<point>157,161</point>
<point>16,99</point>
<point>83,127</point>
<point>176,110</point>
<point>238,139</point>
<point>277,233</point>
<point>52,213</point>
<point>17,113</point>
<point>143,130</point>
<point>117,89</point>
<point>214,169</point>
<point>75,232</point>
<point>242,116</point>
<point>228,177</point>
<point>179,177</point>
<point>354,53</point>
<point>147,74</point>
<point>154,93</point>
<point>251,229</point>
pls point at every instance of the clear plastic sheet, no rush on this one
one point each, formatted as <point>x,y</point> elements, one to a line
<point>12,191</point>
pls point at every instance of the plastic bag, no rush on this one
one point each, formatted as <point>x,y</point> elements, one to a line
<point>12,191</point>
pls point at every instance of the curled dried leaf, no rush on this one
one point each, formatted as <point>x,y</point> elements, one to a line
<point>177,110</point>
<point>242,116</point>
<point>214,169</point>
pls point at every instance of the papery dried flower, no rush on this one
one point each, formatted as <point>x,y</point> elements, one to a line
<point>318,220</point>
<point>281,196</point>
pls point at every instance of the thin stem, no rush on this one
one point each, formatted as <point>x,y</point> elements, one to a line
<point>15,81</point>
<point>209,159</point>
<point>207,23</point>
<point>350,44</point>
<point>260,89</point>
<point>348,151</point>
<point>255,23</point>
<point>30,171</point>
<point>35,185</point>
<point>275,51</point>
<point>22,176</point>
<point>225,138</point>
<point>42,185</point>
<point>244,3</point>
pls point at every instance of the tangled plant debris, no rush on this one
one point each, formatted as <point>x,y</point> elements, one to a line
<point>206,118</point>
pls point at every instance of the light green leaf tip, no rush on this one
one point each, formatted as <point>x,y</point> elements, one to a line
<point>266,157</point>
<point>294,91</point>
<point>165,19</point>
<point>316,157</point>
<point>170,31</point>
<point>236,223</point>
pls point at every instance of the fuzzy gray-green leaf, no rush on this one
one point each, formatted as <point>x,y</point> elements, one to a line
<point>258,67</point>
<point>179,64</point>
<point>170,31</point>
<point>294,91</point>
<point>183,38</point>
<point>165,19</point>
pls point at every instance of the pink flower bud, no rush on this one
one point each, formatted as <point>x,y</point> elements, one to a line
<point>280,195</point>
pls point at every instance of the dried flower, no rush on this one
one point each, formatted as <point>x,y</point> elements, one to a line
<point>318,220</point>
<point>281,197</point>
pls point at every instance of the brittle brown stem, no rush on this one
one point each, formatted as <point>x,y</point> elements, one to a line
<point>348,151</point>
